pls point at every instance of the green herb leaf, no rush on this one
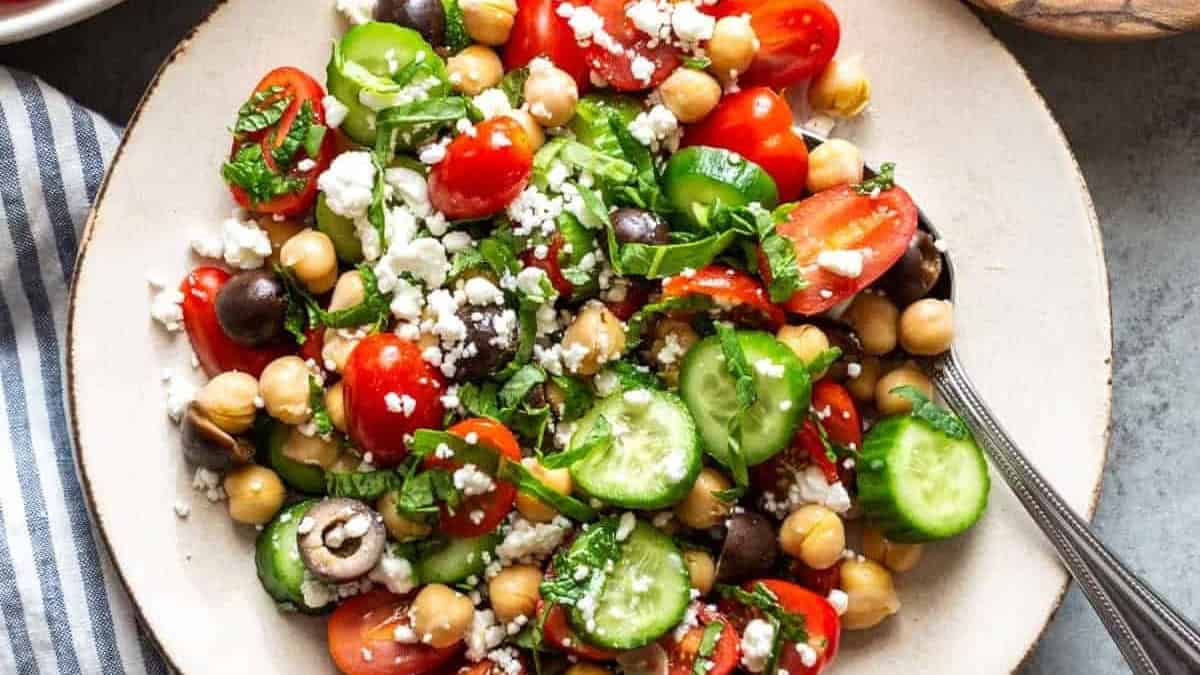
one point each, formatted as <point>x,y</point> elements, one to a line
<point>645,191</point>
<point>530,423</point>
<point>933,414</point>
<point>665,260</point>
<point>822,361</point>
<point>697,62</point>
<point>601,165</point>
<point>283,153</point>
<point>513,86</point>
<point>882,181</point>
<point>249,171</point>
<point>789,626</point>
<point>377,211</point>
<point>518,475</point>
<point>316,401</point>
<point>366,486</point>
<point>375,308</point>
<point>457,37</point>
<point>598,439</point>
<point>423,494</point>
<point>737,365</point>
<point>684,303</point>
<point>407,126</point>
<point>708,644</point>
<point>595,213</point>
<point>499,255</point>
<point>264,109</point>
<point>480,399</point>
<point>591,552</point>
<point>464,261</point>
<point>632,376</point>
<point>577,396</point>
<point>514,391</point>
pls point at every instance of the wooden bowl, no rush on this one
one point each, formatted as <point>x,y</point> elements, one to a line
<point>1102,20</point>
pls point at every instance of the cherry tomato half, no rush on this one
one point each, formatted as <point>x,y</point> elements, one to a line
<point>381,371</point>
<point>729,286</point>
<point>839,415</point>
<point>780,472</point>
<point>483,170</point>
<point>557,631</point>
<point>540,31</point>
<point>361,640</point>
<point>480,514</point>
<point>756,123</point>
<point>214,349</point>
<point>551,265</point>
<point>618,68</point>
<point>797,38</point>
<point>841,219</point>
<point>820,620</point>
<point>681,653</point>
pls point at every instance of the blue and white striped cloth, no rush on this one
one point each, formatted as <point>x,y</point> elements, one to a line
<point>64,610</point>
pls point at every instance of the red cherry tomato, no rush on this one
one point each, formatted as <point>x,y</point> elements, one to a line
<point>540,31</point>
<point>780,472</point>
<point>840,219</point>
<point>297,86</point>
<point>551,265</point>
<point>838,413</point>
<point>382,365</point>
<point>681,653</point>
<point>486,667</point>
<point>727,285</point>
<point>797,39</point>
<point>483,171</point>
<point>756,123</point>
<point>215,350</point>
<point>314,343</point>
<point>820,620</point>
<point>820,582</point>
<point>494,505</point>
<point>361,640</point>
<point>557,631</point>
<point>637,294</point>
<point>617,69</point>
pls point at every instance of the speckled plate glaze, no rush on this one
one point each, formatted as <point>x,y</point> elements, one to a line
<point>30,18</point>
<point>975,145</point>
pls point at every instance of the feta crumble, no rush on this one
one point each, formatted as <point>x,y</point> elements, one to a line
<point>848,264</point>
<point>757,640</point>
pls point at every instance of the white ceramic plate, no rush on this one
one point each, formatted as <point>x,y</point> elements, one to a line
<point>31,18</point>
<point>976,147</point>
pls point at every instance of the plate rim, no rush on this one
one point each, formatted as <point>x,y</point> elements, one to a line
<point>180,50</point>
<point>53,16</point>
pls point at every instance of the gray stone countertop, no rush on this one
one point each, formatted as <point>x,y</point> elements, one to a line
<point>1132,114</point>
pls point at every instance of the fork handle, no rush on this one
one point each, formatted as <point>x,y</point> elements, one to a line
<point>1152,636</point>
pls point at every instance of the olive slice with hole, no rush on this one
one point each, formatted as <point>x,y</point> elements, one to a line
<point>208,445</point>
<point>341,539</point>
<point>915,273</point>
<point>749,550</point>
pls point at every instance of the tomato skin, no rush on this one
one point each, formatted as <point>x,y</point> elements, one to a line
<point>681,654</point>
<point>617,69</point>
<point>728,285</point>
<point>820,582</point>
<point>540,31</point>
<point>820,619</point>
<point>637,294</point>
<point>843,424</point>
<point>381,364</point>
<point>551,265</point>
<point>756,123</point>
<point>797,39</point>
<point>214,349</point>
<point>495,504</point>
<point>557,631</point>
<point>841,219</point>
<point>367,621</point>
<point>482,172</point>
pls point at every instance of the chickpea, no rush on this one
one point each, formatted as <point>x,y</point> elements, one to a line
<point>284,386</point>
<point>336,405</point>
<point>896,557</point>
<point>732,46</point>
<point>585,668</point>
<point>813,535</point>
<point>905,376</point>
<point>311,258</point>
<point>228,400</point>
<point>537,137</point>
<point>862,386</point>
<point>311,450</point>
<point>674,339</point>
<point>474,69</point>
<point>255,494</point>
<point>551,94</point>
<point>874,318</point>
<point>593,339</point>
<point>927,327</point>
<point>807,341</point>
<point>841,90</point>
<point>701,509</point>
<point>835,162</point>
<point>514,592</point>
<point>339,343</point>
<point>348,292</point>
<point>441,616</point>
<point>701,569</point>
<point>489,21</point>
<point>401,528</point>
<point>690,94</point>
<point>558,480</point>
<point>279,231</point>
<point>871,594</point>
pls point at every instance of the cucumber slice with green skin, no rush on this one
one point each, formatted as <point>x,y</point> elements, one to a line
<point>456,559</point>
<point>699,177</point>
<point>298,476</point>
<point>654,456</point>
<point>361,61</point>
<point>711,394</point>
<point>277,558</point>
<point>643,597</point>
<point>457,38</point>
<point>340,231</point>
<point>918,484</point>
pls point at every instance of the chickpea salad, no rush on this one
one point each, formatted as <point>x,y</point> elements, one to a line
<point>541,341</point>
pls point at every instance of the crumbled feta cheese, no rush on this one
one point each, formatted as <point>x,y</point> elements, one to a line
<point>533,211</point>
<point>606,382</point>
<point>349,184</point>
<point>305,165</point>
<point>690,24</point>
<point>400,403</point>
<point>481,291</point>
<point>533,542</point>
<point>809,487</point>
<point>357,11</point>
<point>840,600</point>
<point>642,69</point>
<point>757,640</point>
<point>638,397</point>
<point>469,480</point>
<point>395,572</point>
<point>316,593</point>
<point>848,264</point>
<point>433,152</point>
<point>407,301</point>
<point>456,241</point>
<point>649,17</point>
<point>242,244</point>
<point>492,103</point>
<point>182,509</point>
<point>412,93</point>
<point>625,525</point>
<point>404,634</point>
<point>209,483</point>
<point>180,393</point>
<point>656,128</point>
<point>410,187</point>
<point>335,111</point>
<point>768,368</point>
<point>507,659</point>
<point>485,635</point>
<point>165,308</point>
<point>423,258</point>
<point>853,370</point>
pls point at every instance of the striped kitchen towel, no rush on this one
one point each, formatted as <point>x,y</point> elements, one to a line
<point>64,610</point>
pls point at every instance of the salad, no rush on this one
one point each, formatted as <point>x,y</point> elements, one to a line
<point>540,341</point>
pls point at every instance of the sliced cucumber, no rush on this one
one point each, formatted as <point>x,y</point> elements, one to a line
<point>654,456</point>
<point>298,476</point>
<point>581,241</point>
<point>643,597</point>
<point>700,177</point>
<point>780,381</point>
<point>456,36</point>
<point>453,560</point>
<point>918,484</point>
<point>367,58</point>
<point>277,558</point>
<point>341,231</point>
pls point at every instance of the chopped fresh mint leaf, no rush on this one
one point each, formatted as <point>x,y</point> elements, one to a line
<point>264,109</point>
<point>883,181</point>
<point>933,414</point>
<point>598,438</point>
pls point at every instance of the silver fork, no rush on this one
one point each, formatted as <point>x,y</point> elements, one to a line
<point>1152,636</point>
